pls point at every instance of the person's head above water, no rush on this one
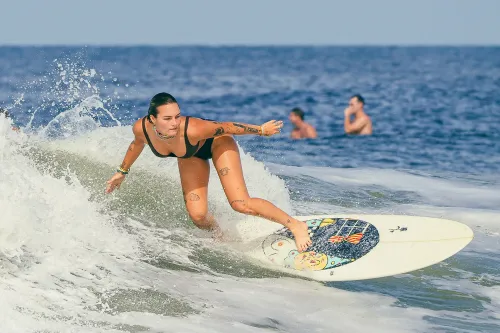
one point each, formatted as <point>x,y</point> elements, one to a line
<point>296,116</point>
<point>357,102</point>
<point>164,113</point>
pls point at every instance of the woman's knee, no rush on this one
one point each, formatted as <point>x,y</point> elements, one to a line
<point>224,142</point>
<point>198,217</point>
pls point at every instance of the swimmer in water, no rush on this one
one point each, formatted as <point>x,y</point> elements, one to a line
<point>362,124</point>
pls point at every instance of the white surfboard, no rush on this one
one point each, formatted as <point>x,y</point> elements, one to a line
<point>358,247</point>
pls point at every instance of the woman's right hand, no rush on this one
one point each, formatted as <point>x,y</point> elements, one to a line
<point>114,182</point>
<point>271,127</point>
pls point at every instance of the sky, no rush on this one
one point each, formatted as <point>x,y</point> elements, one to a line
<point>250,22</point>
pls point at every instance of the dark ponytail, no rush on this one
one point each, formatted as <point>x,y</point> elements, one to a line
<point>159,100</point>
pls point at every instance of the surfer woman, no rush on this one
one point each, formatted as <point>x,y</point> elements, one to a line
<point>193,141</point>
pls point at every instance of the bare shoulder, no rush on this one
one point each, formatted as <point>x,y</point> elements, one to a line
<point>194,126</point>
<point>364,119</point>
<point>137,127</point>
<point>310,127</point>
<point>137,130</point>
<point>198,127</point>
<point>198,122</point>
<point>368,120</point>
<point>195,121</point>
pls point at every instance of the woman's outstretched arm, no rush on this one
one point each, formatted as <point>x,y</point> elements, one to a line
<point>134,150</point>
<point>204,129</point>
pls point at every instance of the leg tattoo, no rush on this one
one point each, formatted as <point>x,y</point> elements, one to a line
<point>224,171</point>
<point>232,202</point>
<point>194,197</point>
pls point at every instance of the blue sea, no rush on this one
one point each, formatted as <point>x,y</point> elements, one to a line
<point>73,259</point>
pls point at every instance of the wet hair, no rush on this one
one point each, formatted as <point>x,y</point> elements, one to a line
<point>298,112</point>
<point>4,112</point>
<point>160,99</point>
<point>359,98</point>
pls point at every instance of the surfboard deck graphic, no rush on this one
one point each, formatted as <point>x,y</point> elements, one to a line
<point>362,247</point>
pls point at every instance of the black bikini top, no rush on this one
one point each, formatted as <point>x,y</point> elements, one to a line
<point>190,149</point>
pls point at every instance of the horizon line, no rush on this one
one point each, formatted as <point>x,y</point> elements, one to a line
<point>248,45</point>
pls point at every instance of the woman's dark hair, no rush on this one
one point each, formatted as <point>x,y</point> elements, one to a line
<point>160,99</point>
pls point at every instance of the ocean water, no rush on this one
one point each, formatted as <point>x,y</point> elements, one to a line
<point>75,260</point>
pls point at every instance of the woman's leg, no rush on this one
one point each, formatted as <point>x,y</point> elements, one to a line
<point>226,158</point>
<point>194,174</point>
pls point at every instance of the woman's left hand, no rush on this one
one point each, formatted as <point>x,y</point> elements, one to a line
<point>272,127</point>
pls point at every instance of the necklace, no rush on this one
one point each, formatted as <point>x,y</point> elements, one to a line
<point>162,136</point>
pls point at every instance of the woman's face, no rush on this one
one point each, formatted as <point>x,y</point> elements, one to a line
<point>168,120</point>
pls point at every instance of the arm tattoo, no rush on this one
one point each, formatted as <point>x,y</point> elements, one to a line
<point>219,131</point>
<point>246,128</point>
<point>224,171</point>
<point>131,146</point>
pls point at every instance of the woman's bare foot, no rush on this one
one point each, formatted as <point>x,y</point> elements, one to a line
<point>299,231</point>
